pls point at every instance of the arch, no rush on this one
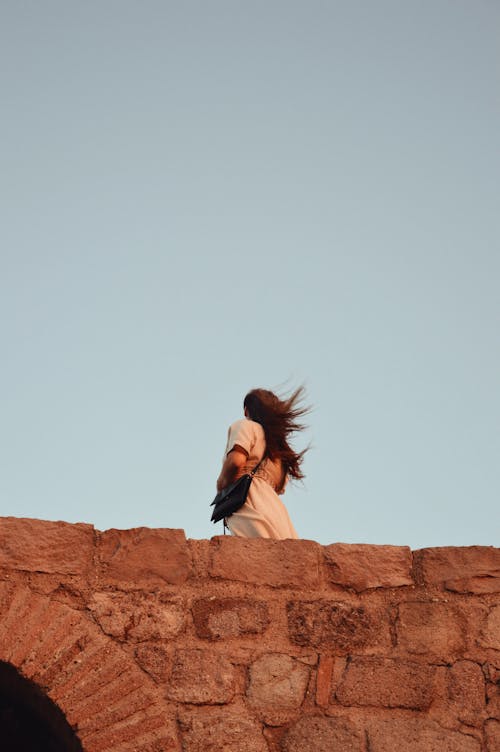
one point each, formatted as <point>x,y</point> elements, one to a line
<point>29,720</point>
<point>106,699</point>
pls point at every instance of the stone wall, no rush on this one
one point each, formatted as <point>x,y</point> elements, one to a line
<point>149,642</point>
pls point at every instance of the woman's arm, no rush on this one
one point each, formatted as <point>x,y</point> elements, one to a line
<point>232,467</point>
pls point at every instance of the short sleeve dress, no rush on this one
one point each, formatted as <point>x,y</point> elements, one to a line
<point>263,515</point>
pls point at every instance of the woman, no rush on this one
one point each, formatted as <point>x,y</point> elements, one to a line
<point>263,435</point>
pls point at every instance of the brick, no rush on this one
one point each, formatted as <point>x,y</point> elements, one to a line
<point>361,566</point>
<point>221,618</point>
<point>201,677</point>
<point>277,687</point>
<point>492,734</point>
<point>322,735</point>
<point>333,624</point>
<point>41,546</point>
<point>387,683</point>
<point>137,617</point>
<point>467,692</point>
<point>467,569</point>
<point>429,627</point>
<point>324,680</point>
<point>216,730</point>
<point>283,563</point>
<point>490,631</point>
<point>143,556</point>
<point>417,734</point>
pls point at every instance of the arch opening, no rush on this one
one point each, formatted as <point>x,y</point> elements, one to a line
<point>29,720</point>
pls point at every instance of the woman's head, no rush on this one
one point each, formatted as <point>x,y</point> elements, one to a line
<point>279,417</point>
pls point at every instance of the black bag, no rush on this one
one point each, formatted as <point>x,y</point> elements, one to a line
<point>232,498</point>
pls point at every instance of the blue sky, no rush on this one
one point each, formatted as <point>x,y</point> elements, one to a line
<point>200,198</point>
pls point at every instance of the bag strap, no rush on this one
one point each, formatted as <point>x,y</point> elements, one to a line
<point>252,473</point>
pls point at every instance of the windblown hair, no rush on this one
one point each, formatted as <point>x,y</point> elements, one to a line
<point>279,417</point>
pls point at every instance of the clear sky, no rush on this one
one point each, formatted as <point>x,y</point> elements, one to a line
<point>198,198</point>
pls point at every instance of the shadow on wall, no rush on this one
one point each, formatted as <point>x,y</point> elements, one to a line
<point>29,720</point>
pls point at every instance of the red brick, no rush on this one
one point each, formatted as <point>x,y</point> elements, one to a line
<point>143,556</point>
<point>284,563</point>
<point>324,680</point>
<point>361,566</point>
<point>386,683</point>
<point>430,628</point>
<point>41,546</point>
<point>317,734</point>
<point>468,569</point>
<point>221,618</point>
<point>417,734</point>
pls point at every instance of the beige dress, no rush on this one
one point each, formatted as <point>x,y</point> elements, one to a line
<point>263,515</point>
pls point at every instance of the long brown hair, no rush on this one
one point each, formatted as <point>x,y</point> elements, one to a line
<point>279,417</point>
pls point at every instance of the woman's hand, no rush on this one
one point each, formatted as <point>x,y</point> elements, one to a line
<point>232,468</point>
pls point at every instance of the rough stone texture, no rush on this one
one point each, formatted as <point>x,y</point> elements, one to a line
<point>201,677</point>
<point>221,618</point>
<point>290,563</point>
<point>387,683</point>
<point>150,643</point>
<point>335,624</point>
<point>317,734</point>
<point>40,546</point>
<point>142,554</point>
<point>467,691</point>
<point>137,617</point>
<point>415,734</point>
<point>470,569</point>
<point>277,686</point>
<point>430,627</point>
<point>490,632</point>
<point>492,732</point>
<point>214,730</point>
<point>155,660</point>
<point>363,566</point>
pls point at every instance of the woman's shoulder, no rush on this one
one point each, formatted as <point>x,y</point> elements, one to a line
<point>245,425</point>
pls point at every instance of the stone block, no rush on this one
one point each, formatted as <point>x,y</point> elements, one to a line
<point>220,730</point>
<point>144,556</point>
<point>317,734</point>
<point>417,734</point>
<point>361,566</point>
<point>41,546</point>
<point>331,624</point>
<point>387,683</point>
<point>137,617</point>
<point>221,618</point>
<point>492,734</point>
<point>283,563</point>
<point>277,687</point>
<point>490,631</point>
<point>467,569</point>
<point>467,692</point>
<point>430,628</point>
<point>153,659</point>
<point>201,677</point>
